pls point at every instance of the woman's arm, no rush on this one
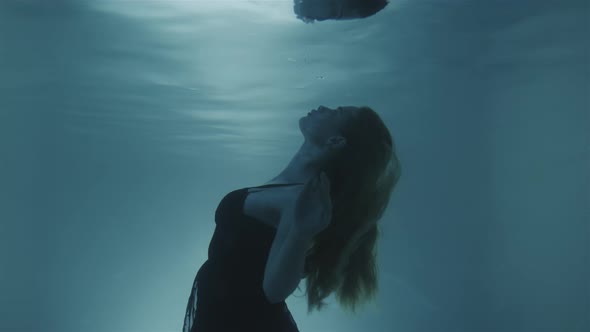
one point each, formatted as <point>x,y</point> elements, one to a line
<point>311,213</point>
<point>286,261</point>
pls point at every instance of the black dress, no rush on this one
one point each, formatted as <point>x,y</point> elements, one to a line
<point>227,291</point>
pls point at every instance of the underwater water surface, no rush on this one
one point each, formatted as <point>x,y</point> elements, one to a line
<point>123,123</point>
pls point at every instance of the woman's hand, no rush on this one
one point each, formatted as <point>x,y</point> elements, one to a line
<point>313,207</point>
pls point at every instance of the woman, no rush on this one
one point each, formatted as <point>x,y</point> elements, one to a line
<point>320,10</point>
<point>316,220</point>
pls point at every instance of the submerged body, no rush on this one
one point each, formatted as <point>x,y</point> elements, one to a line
<point>262,246</point>
<point>227,293</point>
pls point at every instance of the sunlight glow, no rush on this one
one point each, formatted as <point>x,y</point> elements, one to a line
<point>276,10</point>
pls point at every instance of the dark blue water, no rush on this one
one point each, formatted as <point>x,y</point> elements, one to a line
<point>123,123</point>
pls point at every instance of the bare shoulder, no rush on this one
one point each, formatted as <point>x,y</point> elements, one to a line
<point>263,206</point>
<point>268,205</point>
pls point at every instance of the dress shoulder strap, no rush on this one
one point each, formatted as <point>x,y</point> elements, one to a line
<point>275,185</point>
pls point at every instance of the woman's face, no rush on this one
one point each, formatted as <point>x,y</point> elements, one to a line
<point>324,122</point>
